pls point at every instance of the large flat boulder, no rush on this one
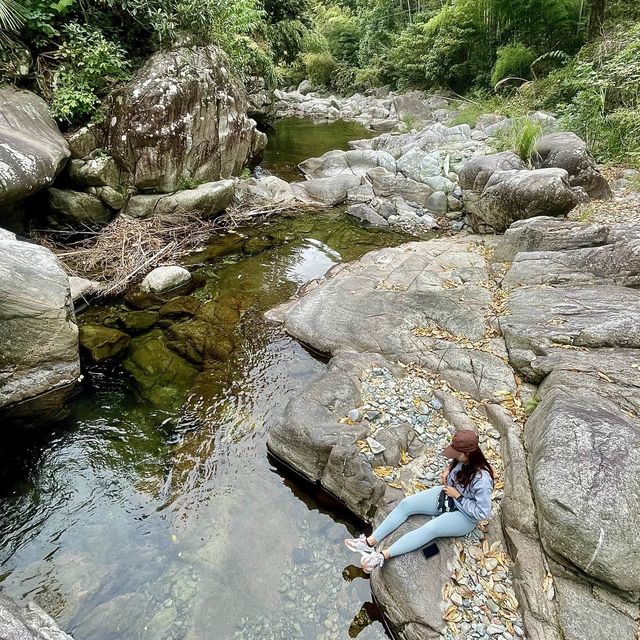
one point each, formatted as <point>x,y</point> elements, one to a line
<point>585,472</point>
<point>183,117</point>
<point>39,359</point>
<point>32,150</point>
<point>206,200</point>
<point>355,162</point>
<point>545,233</point>
<point>570,326</point>
<point>418,301</point>
<point>616,263</point>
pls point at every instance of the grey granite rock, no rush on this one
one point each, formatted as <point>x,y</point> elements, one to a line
<point>27,621</point>
<point>32,150</point>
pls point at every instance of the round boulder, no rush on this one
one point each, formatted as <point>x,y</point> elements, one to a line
<point>163,279</point>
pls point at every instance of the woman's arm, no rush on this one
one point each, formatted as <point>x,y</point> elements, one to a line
<point>477,501</point>
<point>445,473</point>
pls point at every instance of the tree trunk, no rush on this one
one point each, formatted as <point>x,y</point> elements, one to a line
<point>596,18</point>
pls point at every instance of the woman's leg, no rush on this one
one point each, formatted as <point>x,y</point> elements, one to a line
<point>445,525</point>
<point>424,502</point>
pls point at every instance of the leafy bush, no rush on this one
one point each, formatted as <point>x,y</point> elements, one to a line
<point>368,78</point>
<point>344,80</point>
<point>514,60</point>
<point>88,65</point>
<point>320,68</point>
<point>342,31</point>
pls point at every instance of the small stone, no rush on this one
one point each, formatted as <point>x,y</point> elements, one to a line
<point>495,629</point>
<point>375,446</point>
<point>491,564</point>
<point>436,404</point>
<point>423,408</point>
<point>355,415</point>
<point>456,598</point>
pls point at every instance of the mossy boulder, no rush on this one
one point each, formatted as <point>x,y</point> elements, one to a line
<point>102,343</point>
<point>138,321</point>
<point>161,375</point>
<point>199,341</point>
<point>136,299</point>
<point>180,307</point>
<point>225,314</point>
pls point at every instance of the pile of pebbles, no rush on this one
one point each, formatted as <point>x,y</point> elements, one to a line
<point>480,603</point>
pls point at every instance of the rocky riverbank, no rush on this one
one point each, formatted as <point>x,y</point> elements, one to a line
<point>457,332</point>
<point>493,326</point>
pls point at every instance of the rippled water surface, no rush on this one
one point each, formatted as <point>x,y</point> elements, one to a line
<point>164,518</point>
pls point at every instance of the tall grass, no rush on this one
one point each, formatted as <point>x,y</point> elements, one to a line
<point>522,138</point>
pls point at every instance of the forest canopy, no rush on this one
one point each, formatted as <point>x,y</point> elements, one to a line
<point>576,57</point>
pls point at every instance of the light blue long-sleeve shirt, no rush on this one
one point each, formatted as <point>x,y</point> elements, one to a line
<point>476,498</point>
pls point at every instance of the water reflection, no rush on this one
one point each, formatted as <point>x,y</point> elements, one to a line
<point>139,522</point>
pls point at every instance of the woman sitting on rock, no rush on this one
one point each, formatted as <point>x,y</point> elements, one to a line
<point>465,501</point>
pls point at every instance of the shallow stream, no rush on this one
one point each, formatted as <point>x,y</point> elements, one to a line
<point>154,512</point>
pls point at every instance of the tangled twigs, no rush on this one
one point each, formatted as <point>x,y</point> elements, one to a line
<point>125,249</point>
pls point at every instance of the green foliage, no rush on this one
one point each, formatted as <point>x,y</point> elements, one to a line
<point>408,121</point>
<point>514,60</point>
<point>522,138</point>
<point>342,32</point>
<point>477,105</point>
<point>187,182</point>
<point>88,65</point>
<point>320,68</point>
<point>344,79</point>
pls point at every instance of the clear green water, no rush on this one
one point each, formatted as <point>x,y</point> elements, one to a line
<point>140,519</point>
<point>296,139</point>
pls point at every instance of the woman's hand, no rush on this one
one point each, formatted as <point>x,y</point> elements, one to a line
<point>444,474</point>
<point>453,493</point>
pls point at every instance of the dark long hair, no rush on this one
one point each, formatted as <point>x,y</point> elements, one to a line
<point>476,462</point>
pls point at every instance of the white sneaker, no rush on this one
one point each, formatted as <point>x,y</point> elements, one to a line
<point>358,545</point>
<point>371,561</point>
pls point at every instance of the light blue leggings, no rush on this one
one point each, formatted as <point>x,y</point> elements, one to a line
<point>454,523</point>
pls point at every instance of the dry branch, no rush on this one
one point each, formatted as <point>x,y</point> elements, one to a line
<point>124,250</point>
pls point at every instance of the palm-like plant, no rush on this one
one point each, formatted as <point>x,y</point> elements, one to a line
<point>12,17</point>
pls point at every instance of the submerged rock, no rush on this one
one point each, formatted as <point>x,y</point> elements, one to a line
<point>161,375</point>
<point>102,343</point>
<point>39,360</point>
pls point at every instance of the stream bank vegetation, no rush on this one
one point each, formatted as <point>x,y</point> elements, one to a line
<point>577,58</point>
